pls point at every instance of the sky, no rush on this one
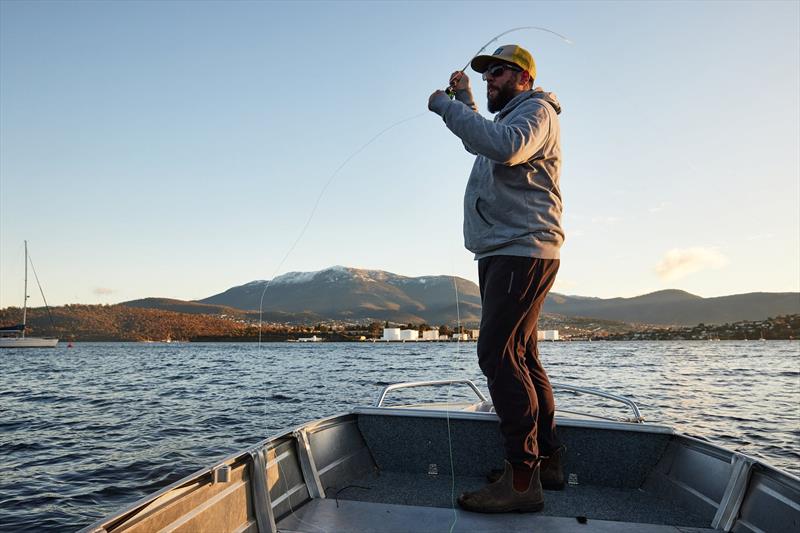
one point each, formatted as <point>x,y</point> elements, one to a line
<point>177,149</point>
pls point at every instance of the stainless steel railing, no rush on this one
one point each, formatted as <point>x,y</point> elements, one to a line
<point>438,383</point>
<point>637,417</point>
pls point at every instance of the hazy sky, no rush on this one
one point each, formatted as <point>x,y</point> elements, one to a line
<point>176,149</point>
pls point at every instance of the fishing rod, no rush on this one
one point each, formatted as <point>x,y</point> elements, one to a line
<point>451,89</point>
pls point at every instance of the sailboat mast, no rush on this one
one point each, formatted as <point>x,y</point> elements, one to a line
<point>25,300</point>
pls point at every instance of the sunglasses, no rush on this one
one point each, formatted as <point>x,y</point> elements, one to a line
<point>498,70</point>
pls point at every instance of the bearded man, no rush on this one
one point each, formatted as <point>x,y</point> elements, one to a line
<point>512,223</point>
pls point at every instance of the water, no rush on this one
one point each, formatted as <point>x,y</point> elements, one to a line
<point>87,430</point>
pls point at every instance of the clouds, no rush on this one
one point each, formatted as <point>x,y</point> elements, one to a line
<point>680,262</point>
<point>103,291</point>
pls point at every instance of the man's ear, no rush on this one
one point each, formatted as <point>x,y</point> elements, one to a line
<point>525,78</point>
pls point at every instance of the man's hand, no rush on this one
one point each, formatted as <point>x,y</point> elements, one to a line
<point>459,80</point>
<point>436,94</point>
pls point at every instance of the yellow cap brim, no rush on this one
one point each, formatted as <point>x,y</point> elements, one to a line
<point>481,64</point>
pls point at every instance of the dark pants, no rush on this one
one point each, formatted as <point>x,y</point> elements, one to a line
<point>512,293</point>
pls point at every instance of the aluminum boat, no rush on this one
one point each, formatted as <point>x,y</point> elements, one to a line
<point>400,467</point>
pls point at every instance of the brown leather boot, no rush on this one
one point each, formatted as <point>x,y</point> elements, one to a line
<point>551,474</point>
<point>501,497</point>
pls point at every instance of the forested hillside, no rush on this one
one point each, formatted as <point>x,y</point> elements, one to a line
<point>123,323</point>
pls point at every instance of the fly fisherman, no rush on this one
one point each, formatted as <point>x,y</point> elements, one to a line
<point>512,223</point>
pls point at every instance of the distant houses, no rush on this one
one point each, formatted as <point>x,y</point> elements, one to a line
<point>403,335</point>
<point>397,334</point>
<point>413,335</point>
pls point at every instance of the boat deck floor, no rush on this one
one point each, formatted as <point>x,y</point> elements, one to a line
<point>393,501</point>
<point>328,515</point>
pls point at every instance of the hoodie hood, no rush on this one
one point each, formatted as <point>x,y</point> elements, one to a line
<point>550,98</point>
<point>537,93</point>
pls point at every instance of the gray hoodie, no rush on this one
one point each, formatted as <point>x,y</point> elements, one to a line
<point>512,204</point>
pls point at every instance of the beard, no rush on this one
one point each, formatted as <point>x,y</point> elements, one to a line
<point>502,96</point>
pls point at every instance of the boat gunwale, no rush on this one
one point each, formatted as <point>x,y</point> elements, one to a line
<point>243,456</point>
<point>761,464</point>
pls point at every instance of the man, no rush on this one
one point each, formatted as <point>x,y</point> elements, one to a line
<point>512,223</point>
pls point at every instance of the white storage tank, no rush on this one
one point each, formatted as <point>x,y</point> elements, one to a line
<point>430,335</point>
<point>391,334</point>
<point>409,335</point>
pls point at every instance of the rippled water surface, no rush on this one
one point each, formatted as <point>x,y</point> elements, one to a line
<point>87,430</point>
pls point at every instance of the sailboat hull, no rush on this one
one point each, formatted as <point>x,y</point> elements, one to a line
<point>27,342</point>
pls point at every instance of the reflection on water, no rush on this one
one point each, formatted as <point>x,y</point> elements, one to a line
<point>84,431</point>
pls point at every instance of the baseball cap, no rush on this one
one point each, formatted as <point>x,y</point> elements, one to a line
<point>508,53</point>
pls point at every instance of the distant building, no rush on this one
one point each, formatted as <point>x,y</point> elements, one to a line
<point>547,335</point>
<point>473,333</point>
<point>391,334</point>
<point>310,339</point>
<point>409,334</point>
<point>430,335</point>
<point>460,337</point>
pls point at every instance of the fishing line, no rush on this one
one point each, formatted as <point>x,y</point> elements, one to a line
<point>289,252</point>
<point>447,412</point>
<point>314,210</point>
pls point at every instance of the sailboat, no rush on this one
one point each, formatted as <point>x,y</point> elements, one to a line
<point>14,336</point>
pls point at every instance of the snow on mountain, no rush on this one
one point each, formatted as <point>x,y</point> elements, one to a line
<point>336,274</point>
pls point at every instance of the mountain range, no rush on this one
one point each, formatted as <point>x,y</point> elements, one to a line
<point>351,294</point>
<point>343,293</point>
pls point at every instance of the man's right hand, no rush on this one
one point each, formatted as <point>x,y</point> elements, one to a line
<point>459,80</point>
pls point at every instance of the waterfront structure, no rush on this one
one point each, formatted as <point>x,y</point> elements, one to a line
<point>430,335</point>
<point>547,335</point>
<point>409,334</point>
<point>391,334</point>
